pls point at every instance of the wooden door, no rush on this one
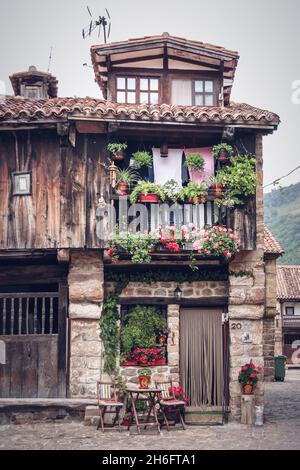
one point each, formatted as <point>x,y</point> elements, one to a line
<point>33,330</point>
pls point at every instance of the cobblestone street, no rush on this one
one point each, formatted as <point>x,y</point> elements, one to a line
<point>281,430</point>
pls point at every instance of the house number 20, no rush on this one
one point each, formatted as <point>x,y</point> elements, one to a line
<point>236,326</point>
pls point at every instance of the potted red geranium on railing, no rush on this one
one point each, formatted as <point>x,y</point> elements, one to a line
<point>248,377</point>
<point>218,241</point>
<point>148,356</point>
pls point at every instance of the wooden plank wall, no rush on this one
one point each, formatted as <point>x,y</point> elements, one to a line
<point>61,212</point>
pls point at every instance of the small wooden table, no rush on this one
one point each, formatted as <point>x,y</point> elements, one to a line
<point>149,395</point>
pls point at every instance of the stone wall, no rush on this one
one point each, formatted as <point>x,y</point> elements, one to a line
<point>85,296</point>
<point>247,304</point>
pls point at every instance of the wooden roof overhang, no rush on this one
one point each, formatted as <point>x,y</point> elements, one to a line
<point>161,53</point>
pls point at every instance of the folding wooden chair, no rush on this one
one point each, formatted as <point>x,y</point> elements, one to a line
<point>168,401</point>
<point>107,397</point>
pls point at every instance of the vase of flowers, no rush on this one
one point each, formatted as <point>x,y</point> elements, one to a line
<point>144,376</point>
<point>248,377</point>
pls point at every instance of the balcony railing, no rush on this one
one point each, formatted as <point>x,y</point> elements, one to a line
<point>291,321</point>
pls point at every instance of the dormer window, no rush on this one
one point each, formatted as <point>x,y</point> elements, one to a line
<point>196,92</point>
<point>138,90</point>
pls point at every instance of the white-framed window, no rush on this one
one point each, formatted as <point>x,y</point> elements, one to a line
<point>137,90</point>
<point>193,92</point>
<point>290,311</point>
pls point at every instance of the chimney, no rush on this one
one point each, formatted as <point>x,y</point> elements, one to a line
<point>34,84</point>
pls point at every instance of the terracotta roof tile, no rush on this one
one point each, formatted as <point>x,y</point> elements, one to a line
<point>288,283</point>
<point>271,244</point>
<point>22,109</point>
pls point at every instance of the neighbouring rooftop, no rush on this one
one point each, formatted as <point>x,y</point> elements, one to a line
<point>288,283</point>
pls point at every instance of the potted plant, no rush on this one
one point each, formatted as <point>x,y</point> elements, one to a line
<point>218,241</point>
<point>137,244</point>
<point>248,377</point>
<point>216,186</point>
<point>139,332</point>
<point>144,376</point>
<point>124,179</point>
<point>194,193</point>
<point>172,190</point>
<point>117,149</point>
<point>239,178</point>
<point>147,192</point>
<point>222,152</point>
<point>195,163</point>
<point>141,159</point>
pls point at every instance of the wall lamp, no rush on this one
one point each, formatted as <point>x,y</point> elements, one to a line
<point>178,293</point>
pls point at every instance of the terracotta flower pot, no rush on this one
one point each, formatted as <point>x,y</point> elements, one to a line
<point>160,362</point>
<point>144,381</point>
<point>123,188</point>
<point>223,156</point>
<point>217,190</point>
<point>199,199</point>
<point>248,389</point>
<point>119,156</point>
<point>148,198</point>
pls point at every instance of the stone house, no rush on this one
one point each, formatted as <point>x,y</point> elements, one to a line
<point>170,97</point>
<point>288,321</point>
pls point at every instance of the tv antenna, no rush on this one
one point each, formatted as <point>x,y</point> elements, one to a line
<point>103,22</point>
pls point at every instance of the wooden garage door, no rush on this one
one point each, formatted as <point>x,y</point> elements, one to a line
<point>33,330</point>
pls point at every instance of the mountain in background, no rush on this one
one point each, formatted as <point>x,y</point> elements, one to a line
<point>282,215</point>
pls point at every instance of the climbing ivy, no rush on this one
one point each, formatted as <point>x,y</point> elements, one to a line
<point>109,332</point>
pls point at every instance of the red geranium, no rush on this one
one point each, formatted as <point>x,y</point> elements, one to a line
<point>173,246</point>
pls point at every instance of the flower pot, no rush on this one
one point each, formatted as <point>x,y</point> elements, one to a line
<point>119,156</point>
<point>248,389</point>
<point>160,362</point>
<point>148,198</point>
<point>123,188</point>
<point>199,199</point>
<point>223,156</point>
<point>129,363</point>
<point>217,190</point>
<point>198,176</point>
<point>144,381</point>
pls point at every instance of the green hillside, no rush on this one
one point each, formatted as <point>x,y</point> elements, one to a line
<point>282,215</point>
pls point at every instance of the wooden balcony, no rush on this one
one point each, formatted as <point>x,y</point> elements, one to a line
<point>292,321</point>
<point>242,219</point>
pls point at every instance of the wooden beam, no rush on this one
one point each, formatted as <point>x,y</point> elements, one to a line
<point>128,60</point>
<point>199,302</point>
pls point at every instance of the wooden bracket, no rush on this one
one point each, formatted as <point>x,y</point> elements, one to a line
<point>63,256</point>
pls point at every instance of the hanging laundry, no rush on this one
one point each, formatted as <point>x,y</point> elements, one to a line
<point>209,166</point>
<point>167,168</point>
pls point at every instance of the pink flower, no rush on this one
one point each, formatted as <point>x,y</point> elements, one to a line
<point>252,375</point>
<point>216,246</point>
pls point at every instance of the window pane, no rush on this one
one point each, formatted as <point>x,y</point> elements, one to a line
<point>198,86</point>
<point>131,83</point>
<point>121,83</point>
<point>209,100</point>
<point>144,98</point>
<point>144,84</point>
<point>154,98</point>
<point>121,97</point>
<point>209,86</point>
<point>131,97</point>
<point>199,100</point>
<point>154,84</point>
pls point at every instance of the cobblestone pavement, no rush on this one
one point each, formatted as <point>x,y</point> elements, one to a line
<point>281,430</point>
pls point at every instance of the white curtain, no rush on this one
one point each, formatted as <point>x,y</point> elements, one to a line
<point>167,168</point>
<point>182,92</point>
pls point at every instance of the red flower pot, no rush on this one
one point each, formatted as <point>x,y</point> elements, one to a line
<point>144,381</point>
<point>199,199</point>
<point>129,363</point>
<point>123,188</point>
<point>160,362</point>
<point>217,189</point>
<point>119,156</point>
<point>248,389</point>
<point>148,198</point>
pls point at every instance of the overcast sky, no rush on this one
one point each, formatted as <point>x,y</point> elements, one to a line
<point>265,32</point>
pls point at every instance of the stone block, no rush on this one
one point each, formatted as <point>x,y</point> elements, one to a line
<point>85,310</point>
<point>253,312</point>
